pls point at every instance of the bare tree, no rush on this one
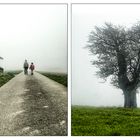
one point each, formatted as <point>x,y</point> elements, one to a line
<point>118,57</point>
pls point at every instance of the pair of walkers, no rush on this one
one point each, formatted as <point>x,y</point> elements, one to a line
<point>26,66</point>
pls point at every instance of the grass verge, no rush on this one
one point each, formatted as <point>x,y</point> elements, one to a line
<point>6,76</point>
<point>58,77</point>
<point>101,121</point>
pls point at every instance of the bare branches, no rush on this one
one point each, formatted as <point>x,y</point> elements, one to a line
<point>118,52</point>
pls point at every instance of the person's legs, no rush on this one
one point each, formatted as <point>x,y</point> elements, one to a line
<point>25,71</point>
<point>32,72</point>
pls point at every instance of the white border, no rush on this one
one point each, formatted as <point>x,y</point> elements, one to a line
<point>69,137</point>
<point>68,48</point>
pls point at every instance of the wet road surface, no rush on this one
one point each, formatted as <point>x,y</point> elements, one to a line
<point>33,106</point>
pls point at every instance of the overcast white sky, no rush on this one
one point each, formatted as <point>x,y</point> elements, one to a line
<point>37,33</point>
<point>86,88</point>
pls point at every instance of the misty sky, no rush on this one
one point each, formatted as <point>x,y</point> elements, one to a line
<point>87,89</point>
<point>37,33</point>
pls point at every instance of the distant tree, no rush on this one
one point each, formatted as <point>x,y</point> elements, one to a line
<point>118,57</point>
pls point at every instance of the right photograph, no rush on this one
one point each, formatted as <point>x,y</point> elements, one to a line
<point>105,70</point>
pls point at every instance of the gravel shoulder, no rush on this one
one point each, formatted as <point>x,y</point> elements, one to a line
<point>33,106</point>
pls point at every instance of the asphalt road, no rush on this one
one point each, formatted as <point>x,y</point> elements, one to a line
<point>33,106</point>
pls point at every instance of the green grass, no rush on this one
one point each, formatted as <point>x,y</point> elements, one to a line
<point>58,77</point>
<point>6,76</point>
<point>101,121</point>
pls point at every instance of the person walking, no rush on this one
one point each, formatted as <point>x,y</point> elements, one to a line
<point>25,66</point>
<point>32,67</point>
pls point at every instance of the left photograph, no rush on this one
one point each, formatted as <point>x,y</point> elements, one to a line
<point>33,70</point>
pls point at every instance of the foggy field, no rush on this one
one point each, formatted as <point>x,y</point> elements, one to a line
<point>58,77</point>
<point>101,121</point>
<point>15,72</point>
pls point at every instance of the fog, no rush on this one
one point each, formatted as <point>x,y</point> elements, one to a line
<point>34,32</point>
<point>87,89</point>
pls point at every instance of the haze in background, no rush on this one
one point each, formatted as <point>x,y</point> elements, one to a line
<point>34,32</point>
<point>87,89</point>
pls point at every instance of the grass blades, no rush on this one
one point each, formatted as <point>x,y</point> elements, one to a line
<point>101,121</point>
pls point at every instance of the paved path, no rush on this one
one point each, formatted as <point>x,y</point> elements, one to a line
<point>33,105</point>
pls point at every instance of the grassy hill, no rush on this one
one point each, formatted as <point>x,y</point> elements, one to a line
<point>101,121</point>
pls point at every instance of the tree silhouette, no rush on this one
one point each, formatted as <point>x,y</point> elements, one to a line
<point>118,57</point>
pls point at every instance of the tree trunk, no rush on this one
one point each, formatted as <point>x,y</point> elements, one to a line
<point>130,100</point>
